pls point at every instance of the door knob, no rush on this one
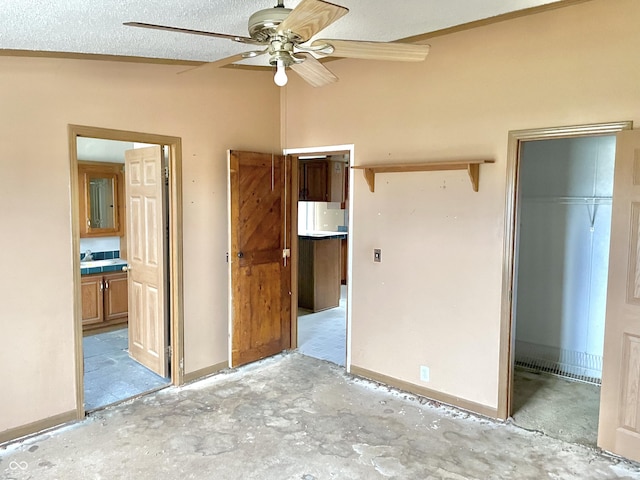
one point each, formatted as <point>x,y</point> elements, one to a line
<point>240,254</point>
<point>126,268</point>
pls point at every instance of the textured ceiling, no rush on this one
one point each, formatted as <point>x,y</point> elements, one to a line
<point>95,26</point>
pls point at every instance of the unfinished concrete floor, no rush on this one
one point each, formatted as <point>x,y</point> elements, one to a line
<point>296,417</point>
<point>561,408</point>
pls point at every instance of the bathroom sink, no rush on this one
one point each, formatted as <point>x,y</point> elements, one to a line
<point>100,263</point>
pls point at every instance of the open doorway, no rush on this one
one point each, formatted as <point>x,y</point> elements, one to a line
<point>559,185</point>
<point>129,322</point>
<point>113,372</point>
<point>323,228</point>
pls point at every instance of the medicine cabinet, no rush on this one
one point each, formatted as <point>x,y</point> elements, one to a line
<point>101,199</point>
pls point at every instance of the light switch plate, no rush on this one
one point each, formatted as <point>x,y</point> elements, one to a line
<point>377,255</point>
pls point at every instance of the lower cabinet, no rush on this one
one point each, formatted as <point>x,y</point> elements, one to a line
<point>318,273</point>
<point>105,300</point>
<point>343,260</point>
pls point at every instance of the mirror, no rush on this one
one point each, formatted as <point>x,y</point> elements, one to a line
<point>101,200</point>
<point>101,203</point>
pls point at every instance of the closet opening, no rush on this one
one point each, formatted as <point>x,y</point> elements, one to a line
<point>561,256</point>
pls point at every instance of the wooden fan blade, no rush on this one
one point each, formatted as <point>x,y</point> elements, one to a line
<point>218,63</point>
<point>313,72</point>
<point>311,16</point>
<point>403,52</point>
<point>235,38</point>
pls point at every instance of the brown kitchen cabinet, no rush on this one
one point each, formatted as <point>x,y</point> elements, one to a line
<point>321,181</point>
<point>105,300</point>
<point>313,180</point>
<point>343,261</point>
<point>318,273</point>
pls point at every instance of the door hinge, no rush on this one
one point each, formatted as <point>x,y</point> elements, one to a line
<point>168,351</point>
<point>166,175</point>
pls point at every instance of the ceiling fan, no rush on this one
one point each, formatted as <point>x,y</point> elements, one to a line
<point>284,33</point>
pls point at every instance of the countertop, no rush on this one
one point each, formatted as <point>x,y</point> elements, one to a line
<point>321,235</point>
<point>102,266</point>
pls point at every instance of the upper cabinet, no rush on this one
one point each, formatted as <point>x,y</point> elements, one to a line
<point>321,181</point>
<point>313,180</point>
<point>101,190</point>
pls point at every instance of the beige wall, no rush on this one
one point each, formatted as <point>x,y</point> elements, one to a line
<point>210,111</point>
<point>435,298</point>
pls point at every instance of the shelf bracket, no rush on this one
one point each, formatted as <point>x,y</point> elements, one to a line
<point>370,177</point>
<point>474,173</point>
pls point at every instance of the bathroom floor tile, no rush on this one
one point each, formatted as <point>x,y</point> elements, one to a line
<point>110,374</point>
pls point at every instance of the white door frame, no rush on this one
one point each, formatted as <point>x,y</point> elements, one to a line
<point>175,274</point>
<point>516,137</point>
<point>324,150</point>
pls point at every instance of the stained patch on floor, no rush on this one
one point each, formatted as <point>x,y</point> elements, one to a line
<point>295,417</point>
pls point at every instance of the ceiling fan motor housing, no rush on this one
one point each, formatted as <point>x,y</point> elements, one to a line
<point>263,23</point>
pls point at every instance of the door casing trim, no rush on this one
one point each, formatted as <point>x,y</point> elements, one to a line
<point>516,137</point>
<point>176,309</point>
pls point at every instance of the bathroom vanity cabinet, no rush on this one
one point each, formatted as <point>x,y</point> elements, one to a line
<point>104,300</point>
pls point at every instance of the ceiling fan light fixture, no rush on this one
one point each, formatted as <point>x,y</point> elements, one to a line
<point>280,78</point>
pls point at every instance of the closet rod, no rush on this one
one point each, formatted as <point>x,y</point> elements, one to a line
<point>571,200</point>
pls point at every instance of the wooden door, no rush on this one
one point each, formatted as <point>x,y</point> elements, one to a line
<point>619,427</point>
<point>260,186</point>
<point>144,180</point>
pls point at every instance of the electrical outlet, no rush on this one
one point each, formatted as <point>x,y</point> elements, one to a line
<point>424,373</point>
<point>377,255</point>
